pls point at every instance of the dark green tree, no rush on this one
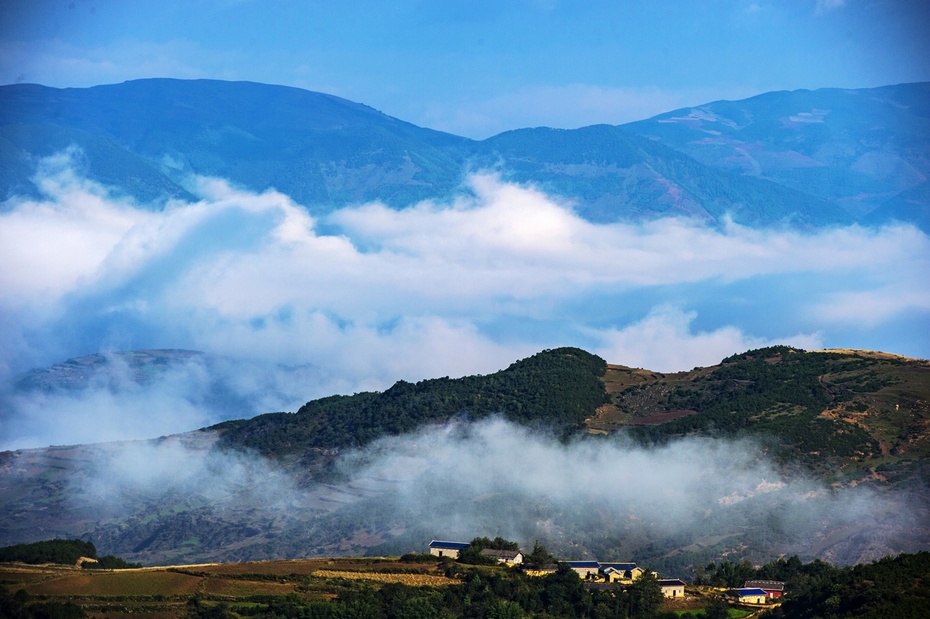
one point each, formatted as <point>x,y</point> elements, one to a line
<point>539,556</point>
<point>645,596</point>
<point>716,608</point>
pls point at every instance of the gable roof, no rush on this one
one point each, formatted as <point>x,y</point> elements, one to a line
<point>671,582</point>
<point>589,564</point>
<point>768,585</point>
<point>500,554</point>
<point>450,545</point>
<point>748,592</point>
<point>623,567</point>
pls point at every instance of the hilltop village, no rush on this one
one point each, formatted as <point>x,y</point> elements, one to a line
<point>596,575</point>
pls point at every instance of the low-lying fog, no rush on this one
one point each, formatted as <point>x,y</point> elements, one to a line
<point>589,497</point>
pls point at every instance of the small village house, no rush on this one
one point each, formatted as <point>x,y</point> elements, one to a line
<point>587,570</point>
<point>773,588</point>
<point>440,548</point>
<point>749,595</point>
<point>621,572</point>
<point>508,557</point>
<point>672,588</point>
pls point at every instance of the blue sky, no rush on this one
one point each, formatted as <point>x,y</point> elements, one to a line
<point>477,68</point>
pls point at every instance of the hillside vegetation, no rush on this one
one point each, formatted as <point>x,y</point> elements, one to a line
<point>558,388</point>
<point>824,409</point>
<point>63,552</point>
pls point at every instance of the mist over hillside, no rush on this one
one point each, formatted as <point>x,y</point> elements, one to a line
<point>485,456</point>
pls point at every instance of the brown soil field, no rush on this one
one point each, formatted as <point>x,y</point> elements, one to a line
<point>245,588</point>
<point>271,568</point>
<point>163,592</point>
<point>22,578</point>
<point>301,567</point>
<point>130,582</point>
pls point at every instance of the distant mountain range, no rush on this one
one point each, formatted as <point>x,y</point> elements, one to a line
<point>852,419</point>
<point>803,158</point>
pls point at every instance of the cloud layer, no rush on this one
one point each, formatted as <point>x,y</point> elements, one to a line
<point>371,295</point>
<point>590,497</point>
<point>597,497</point>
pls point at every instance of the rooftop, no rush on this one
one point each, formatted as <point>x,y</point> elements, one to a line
<point>436,543</point>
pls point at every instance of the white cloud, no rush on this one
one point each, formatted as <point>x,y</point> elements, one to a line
<point>872,307</point>
<point>52,246</point>
<point>454,288</point>
<point>563,492</point>
<point>664,341</point>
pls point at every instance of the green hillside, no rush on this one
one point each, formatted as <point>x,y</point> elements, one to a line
<point>559,388</point>
<point>828,410</point>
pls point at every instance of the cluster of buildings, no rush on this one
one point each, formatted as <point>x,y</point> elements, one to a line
<point>758,591</point>
<point>594,573</point>
<point>597,575</point>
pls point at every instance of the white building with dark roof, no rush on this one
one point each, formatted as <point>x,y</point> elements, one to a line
<point>441,548</point>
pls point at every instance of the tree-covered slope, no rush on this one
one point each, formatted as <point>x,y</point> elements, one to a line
<point>824,409</point>
<point>63,551</point>
<point>559,388</point>
<point>893,587</point>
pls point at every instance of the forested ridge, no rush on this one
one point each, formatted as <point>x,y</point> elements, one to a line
<point>557,388</point>
<point>63,552</point>
<point>890,588</point>
<point>820,408</point>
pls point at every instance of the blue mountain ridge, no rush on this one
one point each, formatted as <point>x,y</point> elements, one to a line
<point>803,158</point>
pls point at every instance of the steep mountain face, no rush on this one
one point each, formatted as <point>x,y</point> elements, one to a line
<point>802,159</point>
<point>865,149</point>
<point>835,443</point>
